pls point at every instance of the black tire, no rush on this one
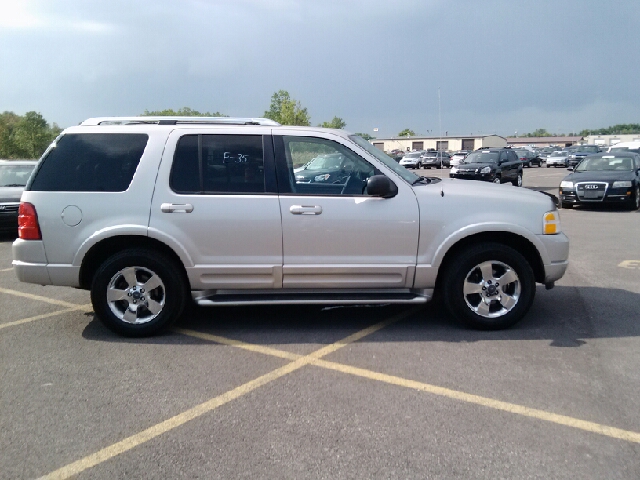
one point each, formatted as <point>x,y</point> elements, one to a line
<point>548,165</point>
<point>635,201</point>
<point>155,309</point>
<point>497,179</point>
<point>517,182</point>
<point>510,301</point>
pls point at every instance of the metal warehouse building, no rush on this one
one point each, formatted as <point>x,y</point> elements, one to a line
<point>469,142</point>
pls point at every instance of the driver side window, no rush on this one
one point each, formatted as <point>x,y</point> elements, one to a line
<point>318,166</point>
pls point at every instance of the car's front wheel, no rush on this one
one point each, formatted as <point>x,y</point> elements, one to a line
<point>635,202</point>
<point>488,286</point>
<point>138,292</point>
<point>517,182</point>
<point>497,179</point>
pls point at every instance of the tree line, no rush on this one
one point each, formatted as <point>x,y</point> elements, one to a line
<point>26,136</point>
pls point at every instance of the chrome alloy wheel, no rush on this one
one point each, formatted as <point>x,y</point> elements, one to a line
<point>491,289</point>
<point>136,295</point>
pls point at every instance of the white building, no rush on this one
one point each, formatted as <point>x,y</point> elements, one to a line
<point>468,142</point>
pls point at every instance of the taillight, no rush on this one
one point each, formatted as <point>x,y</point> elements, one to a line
<point>28,228</point>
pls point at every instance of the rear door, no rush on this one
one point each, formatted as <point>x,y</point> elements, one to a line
<point>216,204</point>
<point>334,234</point>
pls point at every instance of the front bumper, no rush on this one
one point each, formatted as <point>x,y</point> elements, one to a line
<point>609,196</point>
<point>557,247</point>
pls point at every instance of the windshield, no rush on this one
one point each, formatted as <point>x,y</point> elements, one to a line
<point>15,175</point>
<point>559,154</point>
<point>413,155</point>
<point>482,157</point>
<point>389,162</point>
<point>608,163</point>
<point>587,149</point>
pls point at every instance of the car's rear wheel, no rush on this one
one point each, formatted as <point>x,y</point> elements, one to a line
<point>138,292</point>
<point>488,286</point>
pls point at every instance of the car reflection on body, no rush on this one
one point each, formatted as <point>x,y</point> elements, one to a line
<point>558,158</point>
<point>603,178</point>
<point>330,168</point>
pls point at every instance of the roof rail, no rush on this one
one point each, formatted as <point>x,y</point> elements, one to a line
<point>177,121</point>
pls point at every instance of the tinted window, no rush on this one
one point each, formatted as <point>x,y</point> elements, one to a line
<point>90,162</point>
<point>218,164</point>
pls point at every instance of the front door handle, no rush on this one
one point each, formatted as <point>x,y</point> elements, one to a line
<point>305,209</point>
<point>176,208</point>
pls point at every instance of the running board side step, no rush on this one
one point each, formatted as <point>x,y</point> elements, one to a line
<point>236,299</point>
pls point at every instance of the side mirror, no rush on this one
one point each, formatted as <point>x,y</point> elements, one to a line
<point>381,186</point>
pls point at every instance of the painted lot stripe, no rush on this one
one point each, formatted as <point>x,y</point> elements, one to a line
<point>38,317</point>
<point>152,432</point>
<point>592,427</point>
<point>52,301</point>
<point>6,269</point>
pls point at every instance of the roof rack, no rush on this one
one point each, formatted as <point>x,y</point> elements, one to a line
<point>177,121</point>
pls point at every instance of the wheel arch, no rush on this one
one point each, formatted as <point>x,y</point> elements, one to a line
<point>509,239</point>
<point>102,250</point>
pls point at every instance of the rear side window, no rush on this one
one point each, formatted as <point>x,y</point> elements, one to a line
<point>217,164</point>
<point>90,162</point>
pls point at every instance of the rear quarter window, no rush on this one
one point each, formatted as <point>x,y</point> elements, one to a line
<point>90,162</point>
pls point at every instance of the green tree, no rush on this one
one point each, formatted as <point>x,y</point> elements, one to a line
<point>287,111</point>
<point>620,129</point>
<point>182,112</point>
<point>540,132</point>
<point>366,136</point>
<point>407,133</point>
<point>8,122</point>
<point>25,137</point>
<point>335,123</point>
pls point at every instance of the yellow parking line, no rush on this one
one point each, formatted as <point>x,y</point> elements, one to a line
<point>593,427</point>
<point>40,298</point>
<point>130,442</point>
<point>37,317</point>
<point>441,391</point>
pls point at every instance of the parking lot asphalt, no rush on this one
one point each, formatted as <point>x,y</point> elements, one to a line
<point>344,392</point>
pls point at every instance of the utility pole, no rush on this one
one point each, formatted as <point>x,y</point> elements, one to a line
<point>439,120</point>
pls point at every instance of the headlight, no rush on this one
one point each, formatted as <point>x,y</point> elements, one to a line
<point>566,184</point>
<point>453,170</point>
<point>622,184</point>
<point>322,178</point>
<point>485,170</point>
<point>551,223</point>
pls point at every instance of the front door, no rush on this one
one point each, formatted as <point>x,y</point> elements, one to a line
<point>334,234</point>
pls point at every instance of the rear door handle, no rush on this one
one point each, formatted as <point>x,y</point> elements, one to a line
<point>305,209</point>
<point>176,208</point>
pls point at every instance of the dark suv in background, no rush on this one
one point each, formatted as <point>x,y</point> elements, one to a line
<point>497,165</point>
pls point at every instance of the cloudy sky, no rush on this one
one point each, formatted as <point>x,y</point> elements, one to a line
<point>500,66</point>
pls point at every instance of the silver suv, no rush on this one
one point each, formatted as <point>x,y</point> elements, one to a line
<point>148,213</point>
